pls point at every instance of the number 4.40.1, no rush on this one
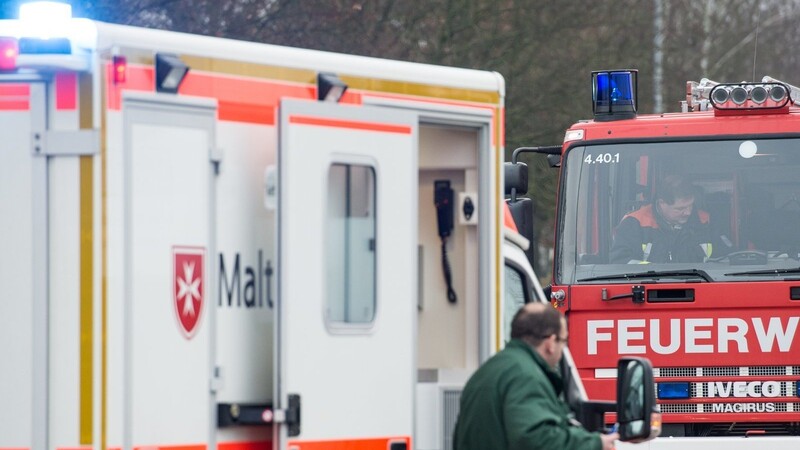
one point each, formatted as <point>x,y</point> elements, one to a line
<point>602,158</point>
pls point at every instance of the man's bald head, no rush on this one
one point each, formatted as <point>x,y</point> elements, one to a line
<point>535,322</point>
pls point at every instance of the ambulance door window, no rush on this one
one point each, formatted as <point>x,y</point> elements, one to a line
<point>350,242</point>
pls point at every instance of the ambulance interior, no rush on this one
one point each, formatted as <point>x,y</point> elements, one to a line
<point>447,331</point>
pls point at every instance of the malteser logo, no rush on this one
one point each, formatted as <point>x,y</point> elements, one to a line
<point>188,287</point>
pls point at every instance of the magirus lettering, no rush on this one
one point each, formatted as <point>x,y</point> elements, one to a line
<point>696,335</point>
<point>743,407</point>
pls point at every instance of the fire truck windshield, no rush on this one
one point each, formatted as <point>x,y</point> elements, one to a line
<point>727,207</point>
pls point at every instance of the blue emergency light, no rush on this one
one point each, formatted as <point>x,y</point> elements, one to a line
<point>670,391</point>
<point>614,94</point>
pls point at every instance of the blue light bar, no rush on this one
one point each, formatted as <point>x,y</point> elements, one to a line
<point>671,391</point>
<point>61,46</point>
<point>614,94</point>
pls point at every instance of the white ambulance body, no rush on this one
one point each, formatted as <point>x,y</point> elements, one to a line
<point>238,265</point>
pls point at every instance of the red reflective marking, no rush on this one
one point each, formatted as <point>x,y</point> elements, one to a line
<point>350,444</point>
<point>15,89</point>
<point>502,113</point>
<point>240,112</point>
<point>14,105</point>
<point>352,124</point>
<point>258,445</point>
<point>440,101</point>
<point>171,447</point>
<point>66,91</point>
<point>508,219</point>
<point>244,445</point>
<point>14,97</point>
<point>247,100</point>
<point>138,79</point>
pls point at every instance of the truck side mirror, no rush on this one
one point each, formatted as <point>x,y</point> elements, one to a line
<point>638,418</point>
<point>516,178</point>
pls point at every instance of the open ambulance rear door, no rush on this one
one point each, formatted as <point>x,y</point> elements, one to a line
<point>347,214</point>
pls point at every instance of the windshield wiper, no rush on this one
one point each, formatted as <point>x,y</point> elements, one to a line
<point>655,274</point>
<point>766,272</point>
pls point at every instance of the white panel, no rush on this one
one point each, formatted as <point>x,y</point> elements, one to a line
<point>169,208</point>
<point>247,230</point>
<point>64,293</point>
<point>605,373</point>
<point>428,417</point>
<point>368,374</point>
<point>448,148</point>
<point>16,282</point>
<point>115,277</point>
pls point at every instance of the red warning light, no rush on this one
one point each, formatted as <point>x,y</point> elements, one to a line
<point>120,64</point>
<point>9,50</point>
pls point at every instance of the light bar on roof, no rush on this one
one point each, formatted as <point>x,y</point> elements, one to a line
<point>751,96</point>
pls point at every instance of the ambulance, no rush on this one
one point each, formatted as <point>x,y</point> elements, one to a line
<point>215,244</point>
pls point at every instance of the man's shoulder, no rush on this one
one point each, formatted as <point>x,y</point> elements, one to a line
<point>643,217</point>
<point>513,354</point>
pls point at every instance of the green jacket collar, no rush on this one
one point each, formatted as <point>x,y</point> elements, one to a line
<point>552,375</point>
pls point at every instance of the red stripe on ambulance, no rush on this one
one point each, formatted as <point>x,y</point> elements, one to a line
<point>15,97</point>
<point>351,124</point>
<point>350,444</point>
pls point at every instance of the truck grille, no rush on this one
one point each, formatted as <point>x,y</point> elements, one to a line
<point>713,386</point>
<point>740,429</point>
<point>721,371</point>
<point>705,383</point>
<point>705,408</point>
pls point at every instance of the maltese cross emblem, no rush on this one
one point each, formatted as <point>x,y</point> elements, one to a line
<point>188,287</point>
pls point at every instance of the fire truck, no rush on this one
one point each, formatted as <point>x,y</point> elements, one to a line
<point>216,244</point>
<point>722,328</point>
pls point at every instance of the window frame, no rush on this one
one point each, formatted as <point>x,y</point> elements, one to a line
<point>343,327</point>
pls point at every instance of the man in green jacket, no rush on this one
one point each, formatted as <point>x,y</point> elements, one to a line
<point>512,402</point>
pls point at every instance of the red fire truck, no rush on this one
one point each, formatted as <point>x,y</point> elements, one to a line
<point>721,328</point>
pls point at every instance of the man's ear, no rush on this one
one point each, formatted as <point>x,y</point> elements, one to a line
<point>550,344</point>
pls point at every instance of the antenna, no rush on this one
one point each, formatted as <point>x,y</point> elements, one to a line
<point>755,47</point>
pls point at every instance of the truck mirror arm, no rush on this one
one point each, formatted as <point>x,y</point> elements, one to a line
<point>547,150</point>
<point>591,414</point>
